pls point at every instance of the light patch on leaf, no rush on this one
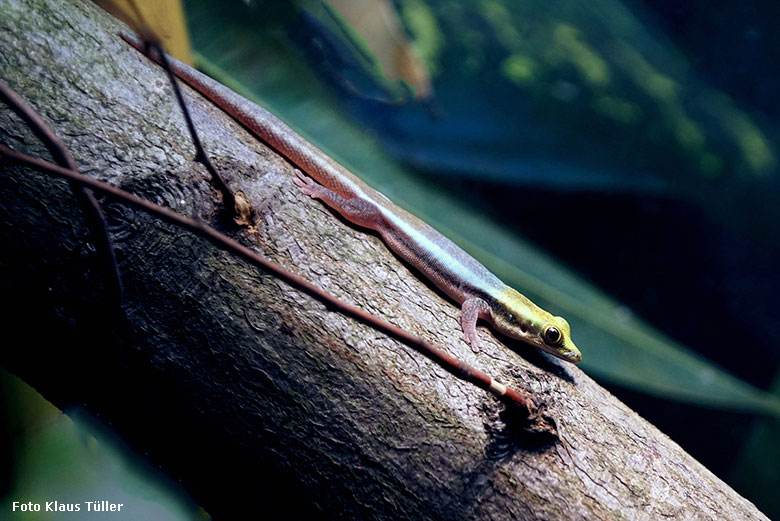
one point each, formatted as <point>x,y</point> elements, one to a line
<point>688,133</point>
<point>501,21</point>
<point>646,76</point>
<point>755,149</point>
<point>521,70</point>
<point>572,47</point>
<point>428,37</point>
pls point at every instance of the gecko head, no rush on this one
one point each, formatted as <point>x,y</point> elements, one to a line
<point>521,319</point>
<point>555,338</point>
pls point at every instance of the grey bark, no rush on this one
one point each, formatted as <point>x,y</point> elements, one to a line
<point>241,386</point>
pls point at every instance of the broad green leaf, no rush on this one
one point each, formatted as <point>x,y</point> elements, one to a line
<point>72,459</point>
<point>617,347</point>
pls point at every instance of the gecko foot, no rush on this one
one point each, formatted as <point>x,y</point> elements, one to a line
<point>468,323</point>
<point>472,309</point>
<point>472,339</point>
<point>307,185</point>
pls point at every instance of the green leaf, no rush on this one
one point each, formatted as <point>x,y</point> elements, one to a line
<point>73,459</point>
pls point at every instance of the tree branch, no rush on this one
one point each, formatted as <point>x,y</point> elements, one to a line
<point>457,367</point>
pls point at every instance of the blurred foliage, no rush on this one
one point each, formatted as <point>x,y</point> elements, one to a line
<point>597,66</point>
<point>72,459</point>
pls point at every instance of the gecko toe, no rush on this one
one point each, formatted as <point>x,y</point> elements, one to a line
<point>472,340</point>
<point>300,179</point>
<point>307,185</point>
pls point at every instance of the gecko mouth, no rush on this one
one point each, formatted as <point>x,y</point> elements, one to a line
<point>573,356</point>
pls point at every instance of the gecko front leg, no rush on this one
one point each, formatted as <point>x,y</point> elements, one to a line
<point>472,310</point>
<point>355,210</point>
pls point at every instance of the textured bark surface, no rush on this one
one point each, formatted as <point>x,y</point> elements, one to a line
<point>254,395</point>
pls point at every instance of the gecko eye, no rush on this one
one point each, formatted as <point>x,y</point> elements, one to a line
<point>553,336</point>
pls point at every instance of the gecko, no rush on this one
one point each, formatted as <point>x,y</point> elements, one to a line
<point>480,293</point>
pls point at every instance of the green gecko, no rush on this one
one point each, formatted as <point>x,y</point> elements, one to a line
<point>481,294</point>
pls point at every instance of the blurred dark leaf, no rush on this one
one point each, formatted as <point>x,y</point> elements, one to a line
<point>73,459</point>
<point>756,469</point>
